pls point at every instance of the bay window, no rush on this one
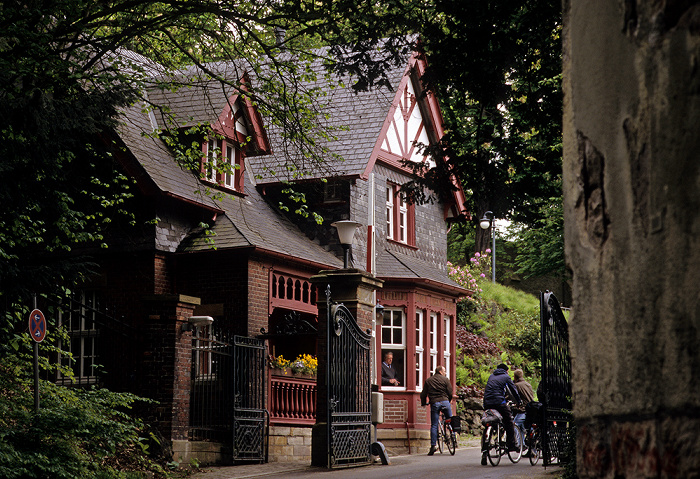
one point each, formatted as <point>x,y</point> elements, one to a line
<point>420,350</point>
<point>394,341</point>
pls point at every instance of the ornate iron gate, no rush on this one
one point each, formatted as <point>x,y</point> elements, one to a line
<point>227,395</point>
<point>250,419</point>
<point>349,389</point>
<point>555,390</point>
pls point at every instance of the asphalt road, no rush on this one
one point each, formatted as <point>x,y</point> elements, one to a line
<point>465,464</point>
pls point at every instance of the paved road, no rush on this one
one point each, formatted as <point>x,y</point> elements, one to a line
<point>465,464</point>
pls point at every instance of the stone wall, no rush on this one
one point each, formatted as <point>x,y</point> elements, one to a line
<point>290,444</point>
<point>632,234</point>
<point>470,412</point>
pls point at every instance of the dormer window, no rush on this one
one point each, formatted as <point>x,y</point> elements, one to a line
<point>222,163</point>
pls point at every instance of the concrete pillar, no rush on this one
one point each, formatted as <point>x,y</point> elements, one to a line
<point>354,289</point>
<point>632,233</point>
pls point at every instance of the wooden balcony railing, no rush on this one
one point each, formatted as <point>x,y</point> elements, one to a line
<point>292,400</point>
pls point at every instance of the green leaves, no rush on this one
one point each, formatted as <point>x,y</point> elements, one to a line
<point>76,433</point>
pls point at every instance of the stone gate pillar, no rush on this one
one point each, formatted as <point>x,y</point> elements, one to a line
<point>632,233</point>
<point>354,289</point>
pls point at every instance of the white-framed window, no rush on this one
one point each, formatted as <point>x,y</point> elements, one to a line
<point>400,216</point>
<point>223,163</point>
<point>433,342</point>
<point>390,211</point>
<point>394,340</point>
<point>420,376</point>
<point>212,159</point>
<point>79,321</point>
<point>447,323</point>
<point>230,171</point>
<point>403,220</point>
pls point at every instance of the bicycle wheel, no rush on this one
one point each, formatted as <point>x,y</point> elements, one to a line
<point>535,447</point>
<point>450,439</point>
<point>440,436</point>
<point>515,456</point>
<point>493,440</point>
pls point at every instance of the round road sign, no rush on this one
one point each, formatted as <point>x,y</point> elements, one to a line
<point>37,325</point>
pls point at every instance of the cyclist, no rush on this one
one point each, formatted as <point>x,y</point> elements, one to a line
<point>527,395</point>
<point>439,389</point>
<point>495,398</point>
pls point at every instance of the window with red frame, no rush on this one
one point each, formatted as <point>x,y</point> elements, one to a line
<point>400,217</point>
<point>222,163</point>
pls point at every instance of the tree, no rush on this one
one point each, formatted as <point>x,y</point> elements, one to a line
<point>541,248</point>
<point>496,67</point>
<point>68,68</point>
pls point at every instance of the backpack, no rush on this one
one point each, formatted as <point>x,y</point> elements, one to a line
<point>491,416</point>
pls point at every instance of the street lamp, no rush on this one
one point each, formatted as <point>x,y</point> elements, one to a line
<point>488,222</point>
<point>346,231</point>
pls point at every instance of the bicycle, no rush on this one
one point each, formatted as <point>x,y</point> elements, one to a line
<point>493,440</point>
<point>534,443</point>
<point>446,434</point>
<point>533,437</point>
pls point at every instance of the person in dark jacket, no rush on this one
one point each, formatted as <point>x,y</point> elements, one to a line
<point>438,389</point>
<point>495,398</point>
<point>389,373</point>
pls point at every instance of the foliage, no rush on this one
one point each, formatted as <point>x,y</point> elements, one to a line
<point>498,324</point>
<point>66,77</point>
<point>75,433</point>
<point>496,67</point>
<point>541,248</point>
<point>305,363</point>
<point>278,362</point>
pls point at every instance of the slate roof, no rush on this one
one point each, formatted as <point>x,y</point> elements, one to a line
<point>157,160</point>
<point>395,265</point>
<point>354,119</point>
<point>251,221</point>
<point>247,221</point>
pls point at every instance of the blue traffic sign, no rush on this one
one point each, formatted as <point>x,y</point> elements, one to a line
<point>37,325</point>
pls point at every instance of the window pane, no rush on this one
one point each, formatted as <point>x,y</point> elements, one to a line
<point>231,162</point>
<point>386,336</point>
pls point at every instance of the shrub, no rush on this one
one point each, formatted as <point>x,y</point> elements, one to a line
<point>75,433</point>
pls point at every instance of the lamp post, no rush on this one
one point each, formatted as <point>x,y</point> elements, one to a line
<point>488,222</point>
<point>346,231</point>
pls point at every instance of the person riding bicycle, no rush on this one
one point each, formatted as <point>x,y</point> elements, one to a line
<point>495,398</point>
<point>439,389</point>
<point>527,395</point>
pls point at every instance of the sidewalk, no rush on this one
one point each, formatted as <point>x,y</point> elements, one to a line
<point>250,470</point>
<point>281,469</point>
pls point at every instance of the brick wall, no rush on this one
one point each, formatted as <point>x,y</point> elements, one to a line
<point>395,410</point>
<point>258,296</point>
<point>165,369</point>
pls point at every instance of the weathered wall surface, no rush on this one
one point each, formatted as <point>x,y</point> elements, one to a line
<point>632,217</point>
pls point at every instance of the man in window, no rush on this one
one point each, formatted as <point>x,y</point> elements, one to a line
<point>389,373</point>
